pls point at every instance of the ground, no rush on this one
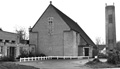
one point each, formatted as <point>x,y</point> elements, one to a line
<point>58,64</point>
<point>11,65</point>
<point>96,63</point>
<point>53,64</point>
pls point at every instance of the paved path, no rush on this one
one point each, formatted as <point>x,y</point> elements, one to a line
<point>58,64</point>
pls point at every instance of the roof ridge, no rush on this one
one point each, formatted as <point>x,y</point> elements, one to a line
<point>8,32</point>
<point>74,26</point>
<point>40,16</point>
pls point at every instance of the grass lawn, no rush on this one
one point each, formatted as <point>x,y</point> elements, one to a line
<point>5,65</point>
<point>100,64</point>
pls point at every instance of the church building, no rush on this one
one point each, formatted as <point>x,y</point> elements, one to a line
<point>55,34</point>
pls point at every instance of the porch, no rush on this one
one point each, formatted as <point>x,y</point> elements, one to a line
<point>11,50</point>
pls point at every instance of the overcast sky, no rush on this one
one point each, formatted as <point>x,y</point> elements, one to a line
<point>89,14</point>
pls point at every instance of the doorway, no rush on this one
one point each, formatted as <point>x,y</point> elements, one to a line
<point>86,51</point>
<point>11,52</point>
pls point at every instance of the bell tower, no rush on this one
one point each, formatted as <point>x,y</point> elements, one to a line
<point>110,27</point>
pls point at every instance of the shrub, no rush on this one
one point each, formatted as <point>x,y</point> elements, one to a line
<point>23,55</point>
<point>40,55</point>
<point>30,55</point>
<point>6,58</point>
<point>113,57</point>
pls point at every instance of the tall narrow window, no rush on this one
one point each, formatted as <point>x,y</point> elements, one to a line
<point>110,18</point>
<point>50,25</point>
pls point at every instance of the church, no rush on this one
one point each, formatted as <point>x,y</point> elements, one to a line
<point>56,34</point>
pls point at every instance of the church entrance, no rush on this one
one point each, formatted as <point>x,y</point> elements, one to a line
<point>86,51</point>
<point>11,52</point>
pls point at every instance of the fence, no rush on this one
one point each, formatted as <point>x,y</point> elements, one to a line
<point>51,57</point>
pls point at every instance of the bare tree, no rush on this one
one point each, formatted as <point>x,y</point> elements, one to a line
<point>98,41</point>
<point>22,34</point>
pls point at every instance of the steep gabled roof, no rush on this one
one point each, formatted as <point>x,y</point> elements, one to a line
<point>73,25</point>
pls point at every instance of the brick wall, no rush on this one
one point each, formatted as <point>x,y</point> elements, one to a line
<point>49,44</point>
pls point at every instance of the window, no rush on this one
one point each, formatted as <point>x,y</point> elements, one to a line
<point>1,40</point>
<point>110,18</point>
<point>13,41</point>
<point>7,41</point>
<point>50,25</point>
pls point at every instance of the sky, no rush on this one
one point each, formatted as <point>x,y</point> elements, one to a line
<point>89,14</point>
